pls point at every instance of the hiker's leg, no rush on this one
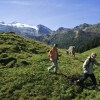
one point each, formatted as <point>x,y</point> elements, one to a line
<point>92,76</point>
<point>56,65</point>
<point>84,77</point>
<point>51,67</point>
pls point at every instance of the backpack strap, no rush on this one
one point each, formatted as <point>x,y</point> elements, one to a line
<point>90,61</point>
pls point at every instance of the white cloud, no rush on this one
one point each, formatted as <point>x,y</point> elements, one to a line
<point>21,2</point>
<point>17,2</point>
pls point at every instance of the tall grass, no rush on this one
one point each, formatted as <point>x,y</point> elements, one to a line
<point>24,76</point>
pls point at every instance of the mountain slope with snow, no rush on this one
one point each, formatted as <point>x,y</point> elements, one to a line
<point>24,29</point>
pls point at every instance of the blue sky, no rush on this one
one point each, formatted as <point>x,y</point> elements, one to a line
<point>51,13</point>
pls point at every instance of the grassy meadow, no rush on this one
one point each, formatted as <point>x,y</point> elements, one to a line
<point>24,76</point>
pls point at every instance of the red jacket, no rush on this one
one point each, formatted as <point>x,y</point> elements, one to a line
<point>52,52</point>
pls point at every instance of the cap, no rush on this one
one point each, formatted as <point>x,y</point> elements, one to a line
<point>93,54</point>
<point>55,45</point>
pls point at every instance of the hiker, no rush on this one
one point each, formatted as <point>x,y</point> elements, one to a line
<point>88,70</point>
<point>53,54</point>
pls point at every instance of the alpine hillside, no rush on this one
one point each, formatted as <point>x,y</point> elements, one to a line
<point>24,75</point>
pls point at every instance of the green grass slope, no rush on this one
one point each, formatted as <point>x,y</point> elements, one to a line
<point>24,76</point>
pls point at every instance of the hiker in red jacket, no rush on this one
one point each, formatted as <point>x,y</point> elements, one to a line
<point>53,54</point>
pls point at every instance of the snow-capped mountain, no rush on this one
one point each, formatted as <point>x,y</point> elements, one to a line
<point>43,30</point>
<point>16,24</point>
<point>2,22</point>
<point>24,29</point>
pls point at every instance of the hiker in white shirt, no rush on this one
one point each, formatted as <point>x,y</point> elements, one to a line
<point>88,69</point>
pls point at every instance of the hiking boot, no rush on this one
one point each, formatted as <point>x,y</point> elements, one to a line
<point>48,70</point>
<point>77,82</point>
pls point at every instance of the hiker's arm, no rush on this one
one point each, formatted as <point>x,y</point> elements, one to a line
<point>85,65</point>
<point>50,52</point>
<point>86,62</point>
<point>97,63</point>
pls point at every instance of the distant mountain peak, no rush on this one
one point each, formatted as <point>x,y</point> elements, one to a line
<point>40,25</point>
<point>61,28</point>
<point>1,22</point>
<point>14,22</point>
<point>43,29</point>
<point>83,26</point>
<point>25,29</point>
<point>18,24</point>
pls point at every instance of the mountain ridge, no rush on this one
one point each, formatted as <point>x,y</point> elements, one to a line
<point>84,37</point>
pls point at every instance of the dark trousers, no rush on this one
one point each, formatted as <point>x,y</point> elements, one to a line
<point>85,76</point>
